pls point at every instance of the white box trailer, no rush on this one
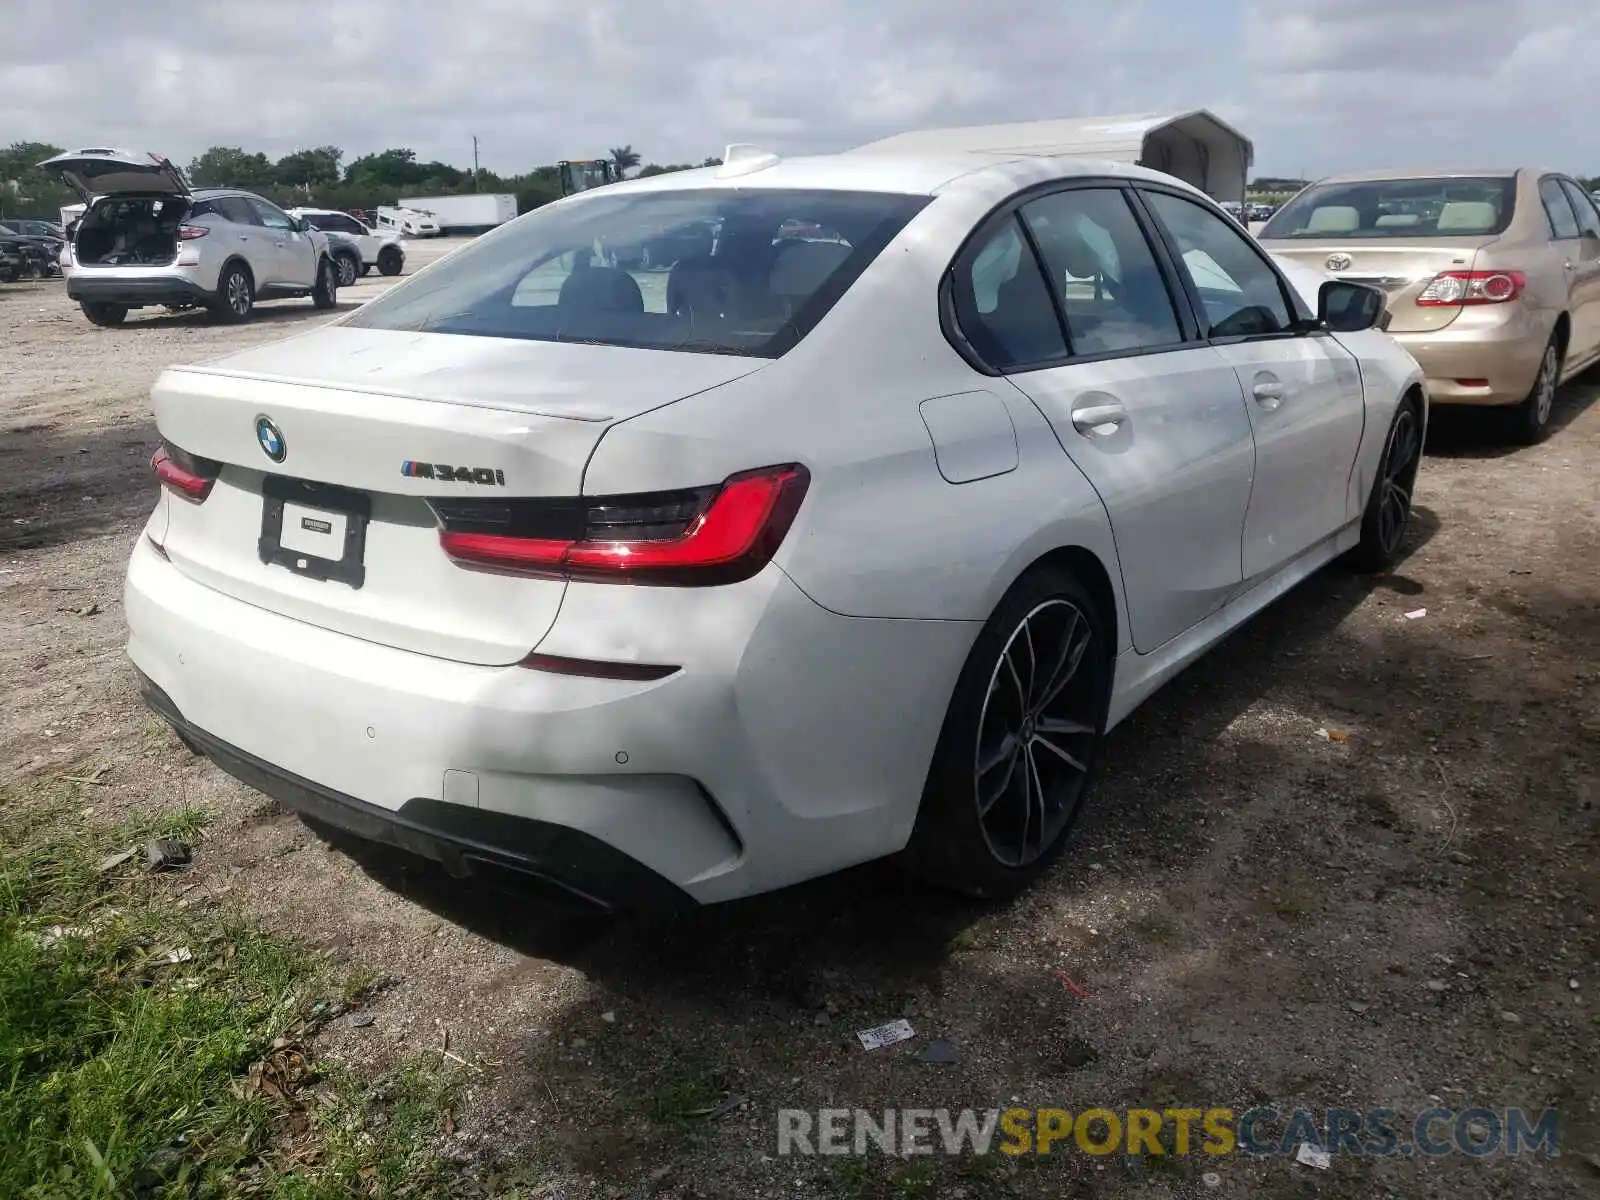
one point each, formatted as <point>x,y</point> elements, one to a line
<point>478,212</point>
<point>1195,146</point>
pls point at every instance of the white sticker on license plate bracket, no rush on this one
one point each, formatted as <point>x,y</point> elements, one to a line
<point>313,529</point>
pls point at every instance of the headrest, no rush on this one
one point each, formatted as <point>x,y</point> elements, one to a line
<point>1334,218</point>
<point>803,267</point>
<point>1468,216</point>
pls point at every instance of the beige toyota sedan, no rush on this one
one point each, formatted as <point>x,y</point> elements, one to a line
<point>1493,277</point>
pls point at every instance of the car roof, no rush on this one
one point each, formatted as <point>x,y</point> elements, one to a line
<point>913,174</point>
<point>1424,173</point>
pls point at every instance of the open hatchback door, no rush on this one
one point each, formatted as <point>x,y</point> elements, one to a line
<point>105,172</point>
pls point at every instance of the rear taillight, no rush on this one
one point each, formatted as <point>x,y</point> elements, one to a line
<point>698,536</point>
<point>183,473</point>
<point>187,233</point>
<point>1452,289</point>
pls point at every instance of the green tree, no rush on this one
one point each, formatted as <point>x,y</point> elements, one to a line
<point>624,158</point>
<point>25,190</point>
<point>229,166</point>
<point>389,169</point>
<point>314,168</point>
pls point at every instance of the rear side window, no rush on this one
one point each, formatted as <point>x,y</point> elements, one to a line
<point>1002,302</point>
<point>1563,223</point>
<point>1240,295</point>
<point>1102,271</point>
<point>719,271</point>
<point>1448,206</point>
<point>1583,207</point>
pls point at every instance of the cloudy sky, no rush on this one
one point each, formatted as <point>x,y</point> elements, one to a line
<point>1320,85</point>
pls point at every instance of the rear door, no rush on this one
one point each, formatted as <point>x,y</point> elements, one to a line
<point>1582,266</point>
<point>1306,403</point>
<point>1154,419</point>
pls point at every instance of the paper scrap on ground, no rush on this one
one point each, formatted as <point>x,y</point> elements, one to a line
<point>885,1035</point>
<point>1416,614</point>
<point>1312,1157</point>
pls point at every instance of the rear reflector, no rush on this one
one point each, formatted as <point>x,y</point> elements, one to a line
<point>698,536</point>
<point>1455,288</point>
<point>556,664</point>
<point>183,473</point>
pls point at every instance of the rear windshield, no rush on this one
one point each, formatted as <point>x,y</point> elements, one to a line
<point>1396,208</point>
<point>719,271</point>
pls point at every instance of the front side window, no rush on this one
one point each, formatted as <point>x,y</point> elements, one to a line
<point>1240,295</point>
<point>721,271</point>
<point>271,215</point>
<point>1447,206</point>
<point>1563,224</point>
<point>334,222</point>
<point>1103,272</point>
<point>237,209</point>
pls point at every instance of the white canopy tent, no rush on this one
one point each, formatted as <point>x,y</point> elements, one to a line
<point>1197,147</point>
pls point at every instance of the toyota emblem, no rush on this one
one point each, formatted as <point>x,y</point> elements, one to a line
<point>1338,262</point>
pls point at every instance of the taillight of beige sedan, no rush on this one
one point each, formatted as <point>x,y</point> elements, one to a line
<point>1493,277</point>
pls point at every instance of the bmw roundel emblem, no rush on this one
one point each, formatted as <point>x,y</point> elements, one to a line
<point>271,439</point>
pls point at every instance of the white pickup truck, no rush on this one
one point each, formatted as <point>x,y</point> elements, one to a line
<point>379,248</point>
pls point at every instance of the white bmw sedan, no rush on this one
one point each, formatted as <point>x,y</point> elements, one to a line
<point>847,529</point>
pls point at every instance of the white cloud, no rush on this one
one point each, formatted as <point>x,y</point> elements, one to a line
<point>1321,85</point>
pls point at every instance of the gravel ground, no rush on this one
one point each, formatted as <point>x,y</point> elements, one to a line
<point>1255,913</point>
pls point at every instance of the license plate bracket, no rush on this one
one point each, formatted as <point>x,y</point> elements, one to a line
<point>322,516</point>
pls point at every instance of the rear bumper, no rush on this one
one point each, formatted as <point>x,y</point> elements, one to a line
<point>1488,366</point>
<point>86,287</point>
<point>467,842</point>
<point>792,742</point>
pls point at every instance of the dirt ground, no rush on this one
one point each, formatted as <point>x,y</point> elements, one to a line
<point>1255,913</point>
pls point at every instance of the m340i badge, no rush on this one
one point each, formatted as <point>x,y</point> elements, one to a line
<point>490,476</point>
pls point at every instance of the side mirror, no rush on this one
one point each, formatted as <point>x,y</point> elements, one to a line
<point>1347,307</point>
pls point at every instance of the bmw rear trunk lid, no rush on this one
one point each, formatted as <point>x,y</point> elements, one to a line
<point>327,448</point>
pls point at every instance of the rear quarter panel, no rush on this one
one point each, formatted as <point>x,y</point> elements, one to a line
<point>882,533</point>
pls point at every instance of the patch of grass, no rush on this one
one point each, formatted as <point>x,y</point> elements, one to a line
<point>128,1033</point>
<point>880,1178</point>
<point>1294,903</point>
<point>679,1097</point>
<point>1156,928</point>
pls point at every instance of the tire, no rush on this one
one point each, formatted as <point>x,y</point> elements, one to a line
<point>1000,713</point>
<point>236,295</point>
<point>326,293</point>
<point>107,316</point>
<point>349,269</point>
<point>1388,511</point>
<point>1530,420</point>
<point>366,268</point>
<point>389,261</point>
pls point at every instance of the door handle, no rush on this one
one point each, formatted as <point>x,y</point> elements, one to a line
<point>1099,420</point>
<point>244,237</point>
<point>1268,395</point>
